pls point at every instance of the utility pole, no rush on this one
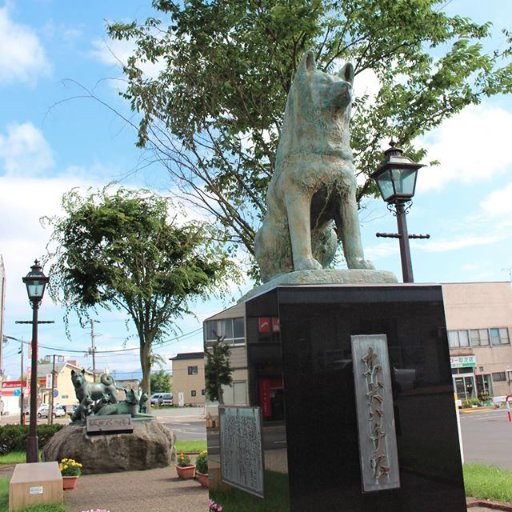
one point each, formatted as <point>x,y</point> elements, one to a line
<point>20,351</point>
<point>22,414</point>
<point>50,409</point>
<point>92,350</point>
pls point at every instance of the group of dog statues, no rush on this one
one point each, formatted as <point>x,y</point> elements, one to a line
<point>100,399</point>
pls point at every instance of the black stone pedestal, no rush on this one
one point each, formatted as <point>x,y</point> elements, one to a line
<point>301,375</point>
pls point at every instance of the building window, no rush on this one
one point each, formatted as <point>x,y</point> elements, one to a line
<point>192,370</point>
<point>232,329</point>
<point>193,392</point>
<point>203,392</point>
<point>458,339</point>
<point>499,377</point>
<point>479,337</point>
<point>499,336</point>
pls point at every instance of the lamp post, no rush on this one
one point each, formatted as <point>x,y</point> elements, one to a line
<point>35,282</point>
<point>396,179</point>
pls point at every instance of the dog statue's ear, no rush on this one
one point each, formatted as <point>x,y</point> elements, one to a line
<point>307,63</point>
<point>83,371</point>
<point>72,372</point>
<point>347,73</point>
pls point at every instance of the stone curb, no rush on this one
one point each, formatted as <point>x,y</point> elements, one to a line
<point>491,505</point>
<point>476,409</point>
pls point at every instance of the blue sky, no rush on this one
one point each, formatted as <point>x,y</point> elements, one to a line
<point>53,138</point>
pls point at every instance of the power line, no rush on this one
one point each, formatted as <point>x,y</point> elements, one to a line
<point>171,341</point>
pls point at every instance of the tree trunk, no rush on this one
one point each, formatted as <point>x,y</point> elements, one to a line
<point>145,364</point>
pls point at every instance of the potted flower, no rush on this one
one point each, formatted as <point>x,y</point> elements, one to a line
<point>184,466</point>
<point>202,468</point>
<point>70,470</point>
<point>214,507</point>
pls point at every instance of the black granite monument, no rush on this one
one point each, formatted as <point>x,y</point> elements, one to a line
<point>350,388</point>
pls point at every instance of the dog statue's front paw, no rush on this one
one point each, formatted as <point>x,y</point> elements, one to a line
<point>306,264</point>
<point>360,264</point>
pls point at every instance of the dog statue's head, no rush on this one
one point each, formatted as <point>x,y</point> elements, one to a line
<point>77,378</point>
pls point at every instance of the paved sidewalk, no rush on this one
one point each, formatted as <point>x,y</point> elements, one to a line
<point>153,490</point>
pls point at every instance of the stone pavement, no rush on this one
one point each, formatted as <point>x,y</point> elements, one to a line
<point>160,490</point>
<point>153,490</point>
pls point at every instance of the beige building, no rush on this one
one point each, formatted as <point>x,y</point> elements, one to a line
<point>188,379</point>
<point>64,390</point>
<point>231,324</point>
<point>479,322</point>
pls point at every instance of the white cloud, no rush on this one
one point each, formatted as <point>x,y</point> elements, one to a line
<point>24,151</point>
<point>459,243</point>
<point>367,83</point>
<point>116,53</point>
<point>472,146</point>
<point>498,203</point>
<point>22,57</point>
<point>382,250</point>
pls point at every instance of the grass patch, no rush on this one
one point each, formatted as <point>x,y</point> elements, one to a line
<point>190,445</point>
<point>488,482</point>
<point>13,458</point>
<point>276,492</point>
<point>4,494</point>
<point>45,508</point>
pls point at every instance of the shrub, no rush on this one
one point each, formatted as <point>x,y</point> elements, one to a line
<point>14,437</point>
<point>183,460</point>
<point>470,402</point>
<point>202,462</point>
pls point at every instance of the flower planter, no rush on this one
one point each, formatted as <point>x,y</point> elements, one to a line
<point>202,478</point>
<point>186,472</point>
<point>69,482</point>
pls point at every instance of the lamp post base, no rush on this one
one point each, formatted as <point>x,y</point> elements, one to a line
<point>32,449</point>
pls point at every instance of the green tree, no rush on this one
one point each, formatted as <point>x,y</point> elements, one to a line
<point>213,112</point>
<point>160,381</point>
<point>217,370</point>
<point>121,250</point>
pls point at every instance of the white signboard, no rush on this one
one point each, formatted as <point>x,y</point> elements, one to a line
<point>375,417</point>
<point>463,361</point>
<point>241,448</point>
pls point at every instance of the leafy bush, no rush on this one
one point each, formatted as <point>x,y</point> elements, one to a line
<point>183,460</point>
<point>14,437</point>
<point>470,402</point>
<point>202,462</point>
<point>484,397</point>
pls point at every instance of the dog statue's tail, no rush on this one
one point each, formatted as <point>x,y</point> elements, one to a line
<point>106,379</point>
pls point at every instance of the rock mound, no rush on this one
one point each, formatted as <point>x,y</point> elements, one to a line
<point>151,445</point>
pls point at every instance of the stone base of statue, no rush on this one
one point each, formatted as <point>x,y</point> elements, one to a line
<point>150,445</point>
<point>349,401</point>
<point>324,276</point>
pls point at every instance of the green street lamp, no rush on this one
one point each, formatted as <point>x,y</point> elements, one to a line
<point>35,282</point>
<point>396,180</point>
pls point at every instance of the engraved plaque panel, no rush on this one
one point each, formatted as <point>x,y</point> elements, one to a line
<point>241,448</point>
<point>375,417</point>
<point>109,424</point>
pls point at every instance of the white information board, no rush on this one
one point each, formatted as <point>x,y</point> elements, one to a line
<point>241,448</point>
<point>375,415</point>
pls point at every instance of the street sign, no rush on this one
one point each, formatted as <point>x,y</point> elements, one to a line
<point>55,393</point>
<point>16,392</point>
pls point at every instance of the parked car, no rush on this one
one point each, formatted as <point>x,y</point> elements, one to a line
<point>161,399</point>
<point>155,398</point>
<point>58,411</point>
<point>166,399</point>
